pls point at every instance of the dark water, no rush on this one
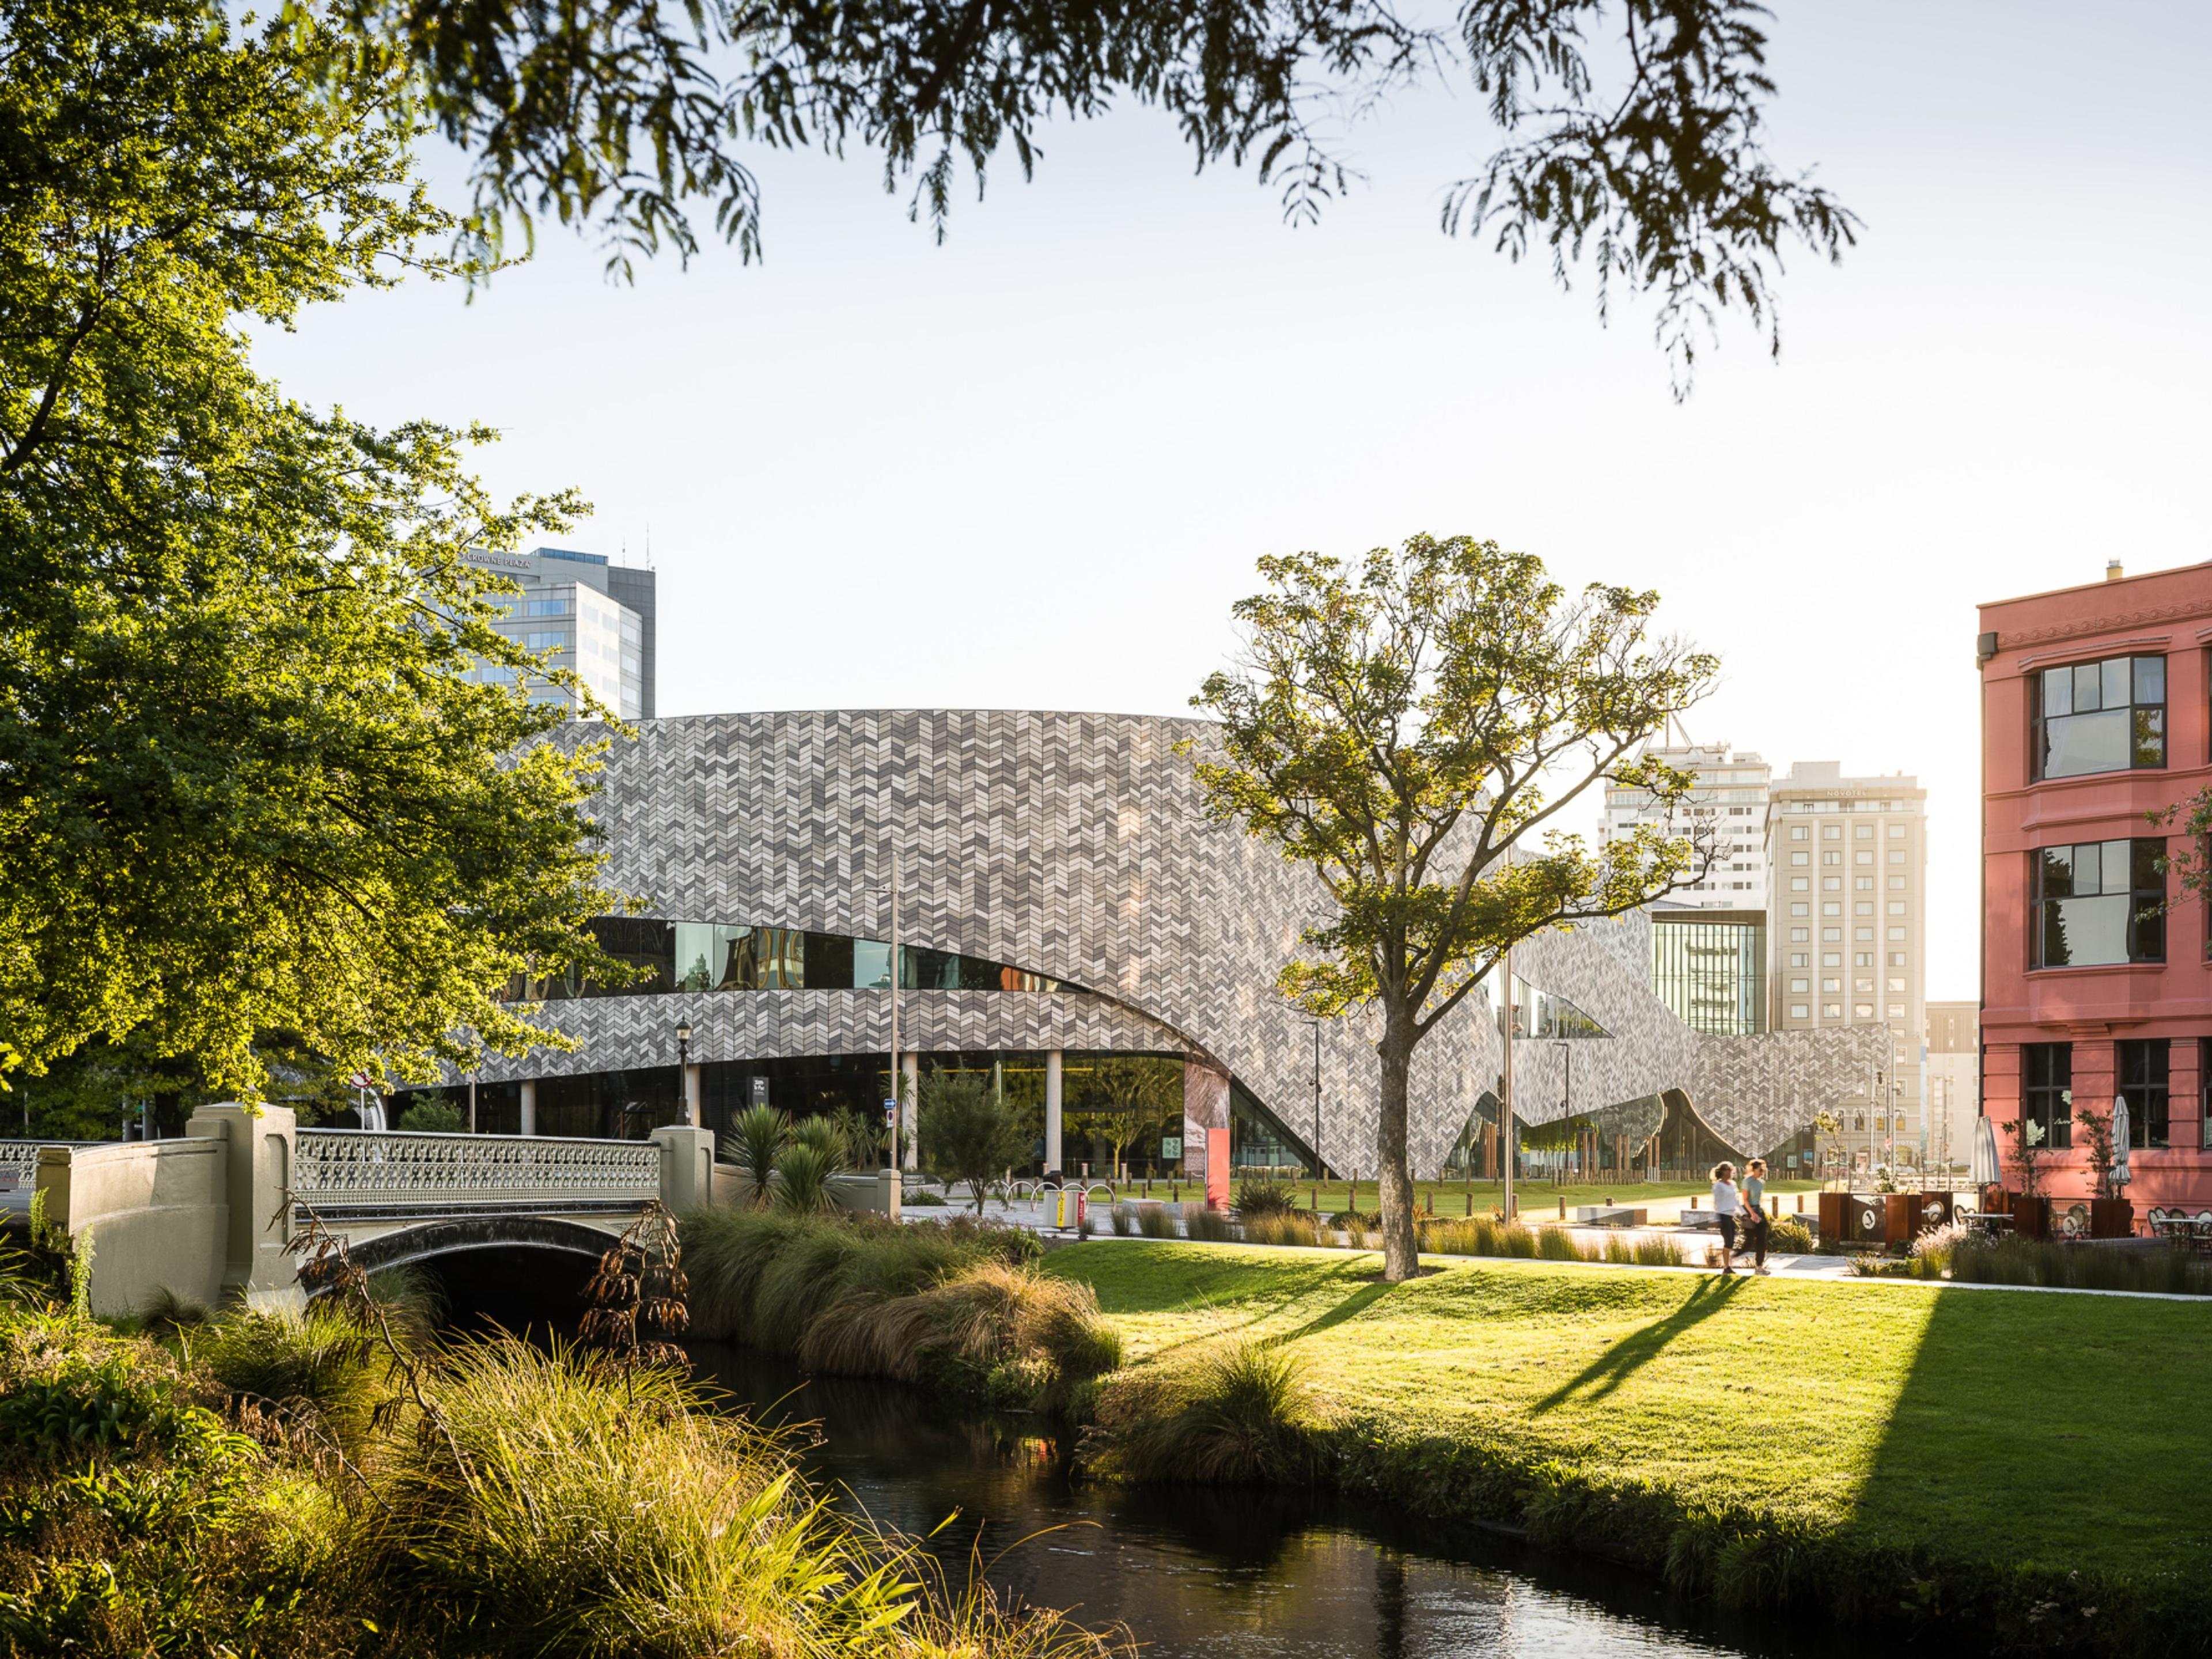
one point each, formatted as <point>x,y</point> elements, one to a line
<point>1200,1573</point>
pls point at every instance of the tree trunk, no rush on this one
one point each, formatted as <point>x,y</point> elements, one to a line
<point>1394,1183</point>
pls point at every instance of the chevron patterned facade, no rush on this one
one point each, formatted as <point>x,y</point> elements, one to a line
<point>1075,845</point>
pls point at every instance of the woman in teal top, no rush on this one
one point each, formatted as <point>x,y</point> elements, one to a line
<point>1754,1205</point>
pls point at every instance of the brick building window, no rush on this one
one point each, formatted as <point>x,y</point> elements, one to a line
<point>2098,902</point>
<point>2142,1068</point>
<point>2047,1091</point>
<point>2106,716</point>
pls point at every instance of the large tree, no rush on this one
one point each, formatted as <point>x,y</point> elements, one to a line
<point>1632,130</point>
<point>250,781</point>
<point>1411,727</point>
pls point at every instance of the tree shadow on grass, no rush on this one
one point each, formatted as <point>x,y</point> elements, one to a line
<point>1633,1352</point>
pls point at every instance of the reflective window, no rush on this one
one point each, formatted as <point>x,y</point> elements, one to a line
<point>2142,1068</point>
<point>2100,717</point>
<point>2098,902</point>
<point>2047,1091</point>
<point>1540,1014</point>
<point>698,956</point>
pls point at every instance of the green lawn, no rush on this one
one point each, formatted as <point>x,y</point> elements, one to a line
<point>2035,1430</point>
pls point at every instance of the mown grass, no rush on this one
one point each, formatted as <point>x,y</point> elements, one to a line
<point>1757,1437</point>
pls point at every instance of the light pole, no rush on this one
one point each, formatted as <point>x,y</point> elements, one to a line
<point>1320,1168</point>
<point>1567,1053</point>
<point>1505,1089</point>
<point>682,1075</point>
<point>894,1108</point>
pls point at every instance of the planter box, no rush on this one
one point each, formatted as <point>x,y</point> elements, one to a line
<point>1834,1217</point>
<point>1902,1217</point>
<point>2031,1217</point>
<point>2111,1217</point>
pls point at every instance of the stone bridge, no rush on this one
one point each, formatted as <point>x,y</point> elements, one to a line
<point>206,1217</point>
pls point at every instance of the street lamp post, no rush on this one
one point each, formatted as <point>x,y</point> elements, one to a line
<point>1505,1089</point>
<point>1567,1053</point>
<point>682,1073</point>
<point>1321,1167</point>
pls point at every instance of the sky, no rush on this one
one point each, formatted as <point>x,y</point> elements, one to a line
<point>1035,465</point>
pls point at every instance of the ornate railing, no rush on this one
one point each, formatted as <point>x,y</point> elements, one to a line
<point>353,1171</point>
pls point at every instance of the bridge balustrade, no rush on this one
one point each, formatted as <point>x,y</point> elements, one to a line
<point>351,1174</point>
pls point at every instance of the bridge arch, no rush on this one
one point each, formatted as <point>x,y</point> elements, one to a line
<point>428,1240</point>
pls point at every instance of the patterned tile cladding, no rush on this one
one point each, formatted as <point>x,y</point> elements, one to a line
<point>1075,845</point>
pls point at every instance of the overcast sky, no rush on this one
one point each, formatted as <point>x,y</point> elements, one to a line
<point>1034,467</point>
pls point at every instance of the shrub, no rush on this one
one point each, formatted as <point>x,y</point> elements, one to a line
<point>1558,1244</point>
<point>1296,1229</point>
<point>826,1135</point>
<point>1790,1237</point>
<point>1123,1219</point>
<point>756,1135</point>
<point>922,1199</point>
<point>1209,1225</point>
<point>320,1374</point>
<point>803,1169</point>
<point>1647,1250</point>
<point>434,1116</point>
<point>1240,1414</point>
<point>2082,1266</point>
<point>1355,1221</point>
<point>1154,1221</point>
<point>1266,1196</point>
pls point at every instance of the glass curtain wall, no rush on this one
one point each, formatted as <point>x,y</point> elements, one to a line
<point>1711,972</point>
<point>701,956</point>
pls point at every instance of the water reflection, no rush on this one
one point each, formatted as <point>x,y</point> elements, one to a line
<point>1209,1573</point>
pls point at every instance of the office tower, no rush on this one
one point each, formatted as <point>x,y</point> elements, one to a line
<point>1731,797</point>
<point>1955,1081</point>
<point>596,618</point>
<point>1847,925</point>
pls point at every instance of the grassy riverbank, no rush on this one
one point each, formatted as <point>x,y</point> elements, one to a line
<point>2015,1460</point>
<point>258,1485</point>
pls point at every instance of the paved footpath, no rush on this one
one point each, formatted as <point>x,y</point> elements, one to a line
<point>1820,1269</point>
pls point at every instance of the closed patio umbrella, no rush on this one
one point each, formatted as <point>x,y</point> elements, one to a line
<point>1985,1171</point>
<point>2120,1176</point>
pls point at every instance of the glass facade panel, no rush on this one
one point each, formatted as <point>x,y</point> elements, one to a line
<point>697,955</point>
<point>2099,903</point>
<point>1712,973</point>
<point>2106,716</point>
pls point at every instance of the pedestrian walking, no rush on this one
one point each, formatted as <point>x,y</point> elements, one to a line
<point>1727,1203</point>
<point>1755,1218</point>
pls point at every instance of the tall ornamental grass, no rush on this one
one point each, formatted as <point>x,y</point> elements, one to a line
<point>963,1304</point>
<point>1237,1414</point>
<point>2080,1266</point>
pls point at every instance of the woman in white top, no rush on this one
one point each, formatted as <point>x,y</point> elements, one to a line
<point>1727,1204</point>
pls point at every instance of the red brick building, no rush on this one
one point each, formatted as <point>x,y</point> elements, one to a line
<point>2096,712</point>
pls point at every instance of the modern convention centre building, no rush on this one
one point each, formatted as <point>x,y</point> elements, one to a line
<point>1072,924</point>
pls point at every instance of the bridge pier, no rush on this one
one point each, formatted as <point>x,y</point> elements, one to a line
<point>258,1150</point>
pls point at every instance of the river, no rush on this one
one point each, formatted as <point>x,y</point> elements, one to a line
<point>1211,1573</point>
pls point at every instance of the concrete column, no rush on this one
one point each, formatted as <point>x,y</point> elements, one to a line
<point>692,1115</point>
<point>687,1167</point>
<point>910,1107</point>
<point>1053,1060</point>
<point>257,1153</point>
<point>529,1105</point>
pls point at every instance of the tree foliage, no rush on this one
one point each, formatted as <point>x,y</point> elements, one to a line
<point>968,1133</point>
<point>615,114</point>
<point>1409,729</point>
<point>1126,1097</point>
<point>247,781</point>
